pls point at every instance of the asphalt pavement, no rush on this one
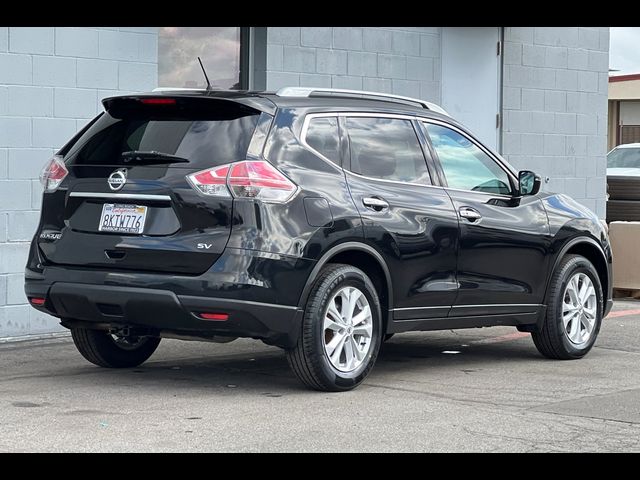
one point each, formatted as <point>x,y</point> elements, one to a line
<point>482,390</point>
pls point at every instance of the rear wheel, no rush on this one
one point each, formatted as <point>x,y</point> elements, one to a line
<point>341,331</point>
<point>574,311</point>
<point>106,350</point>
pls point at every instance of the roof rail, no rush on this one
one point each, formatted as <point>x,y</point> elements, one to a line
<point>308,91</point>
<point>175,89</point>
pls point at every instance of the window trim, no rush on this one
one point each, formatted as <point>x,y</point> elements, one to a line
<point>437,178</point>
<point>497,161</point>
<point>397,182</point>
<point>303,138</point>
<point>435,170</point>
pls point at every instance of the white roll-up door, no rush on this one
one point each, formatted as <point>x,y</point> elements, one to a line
<point>471,79</point>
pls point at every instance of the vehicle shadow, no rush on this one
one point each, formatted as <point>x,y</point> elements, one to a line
<point>264,371</point>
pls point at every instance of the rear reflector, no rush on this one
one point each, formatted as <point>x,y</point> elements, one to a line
<point>158,101</point>
<point>37,300</point>
<point>219,317</point>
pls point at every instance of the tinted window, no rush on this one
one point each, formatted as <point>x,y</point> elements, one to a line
<point>322,136</point>
<point>204,142</point>
<point>624,158</point>
<point>465,165</point>
<point>386,148</point>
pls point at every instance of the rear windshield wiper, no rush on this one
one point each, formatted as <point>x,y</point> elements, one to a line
<point>151,157</point>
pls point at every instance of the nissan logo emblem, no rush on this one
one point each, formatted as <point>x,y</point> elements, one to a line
<point>117,179</point>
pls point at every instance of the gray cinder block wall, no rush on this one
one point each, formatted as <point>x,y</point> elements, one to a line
<point>51,84</point>
<point>400,60</point>
<point>52,79</point>
<point>555,88</point>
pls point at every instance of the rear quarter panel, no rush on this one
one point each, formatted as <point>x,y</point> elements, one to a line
<point>285,229</point>
<point>319,216</point>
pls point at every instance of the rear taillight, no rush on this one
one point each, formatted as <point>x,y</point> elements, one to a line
<point>261,180</point>
<point>211,182</point>
<point>53,173</point>
<point>247,179</point>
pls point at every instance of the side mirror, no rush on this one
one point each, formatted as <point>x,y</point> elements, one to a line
<point>528,183</point>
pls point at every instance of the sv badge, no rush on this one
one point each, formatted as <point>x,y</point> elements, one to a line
<point>205,246</point>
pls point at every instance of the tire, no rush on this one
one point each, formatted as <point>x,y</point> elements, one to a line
<point>310,359</point>
<point>554,339</point>
<point>101,349</point>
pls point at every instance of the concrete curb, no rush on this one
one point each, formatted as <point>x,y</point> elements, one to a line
<point>28,338</point>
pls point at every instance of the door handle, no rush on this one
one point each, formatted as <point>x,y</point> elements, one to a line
<point>375,203</point>
<point>470,214</point>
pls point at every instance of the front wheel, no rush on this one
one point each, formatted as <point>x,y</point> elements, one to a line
<point>341,331</point>
<point>106,350</point>
<point>574,311</point>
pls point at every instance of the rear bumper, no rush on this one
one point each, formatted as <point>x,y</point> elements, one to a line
<point>259,293</point>
<point>162,311</point>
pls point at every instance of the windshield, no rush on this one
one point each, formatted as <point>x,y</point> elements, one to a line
<point>203,142</point>
<point>624,158</point>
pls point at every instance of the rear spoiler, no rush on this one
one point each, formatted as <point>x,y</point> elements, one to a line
<point>175,103</point>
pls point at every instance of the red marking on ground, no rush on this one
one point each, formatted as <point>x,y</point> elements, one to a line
<point>502,338</point>
<point>624,313</point>
<point>516,335</point>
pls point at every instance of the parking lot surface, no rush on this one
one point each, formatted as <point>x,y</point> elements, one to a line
<point>466,390</point>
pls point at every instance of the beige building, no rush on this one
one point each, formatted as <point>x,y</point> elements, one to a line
<point>624,109</point>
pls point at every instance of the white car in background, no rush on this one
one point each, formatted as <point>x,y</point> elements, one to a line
<point>623,183</point>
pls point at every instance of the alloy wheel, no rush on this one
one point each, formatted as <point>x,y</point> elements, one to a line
<point>348,329</point>
<point>579,309</point>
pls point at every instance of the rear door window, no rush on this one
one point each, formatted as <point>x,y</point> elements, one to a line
<point>386,148</point>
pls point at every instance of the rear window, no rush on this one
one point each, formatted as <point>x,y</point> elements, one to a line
<point>204,140</point>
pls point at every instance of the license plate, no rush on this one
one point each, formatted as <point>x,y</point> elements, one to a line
<point>120,218</point>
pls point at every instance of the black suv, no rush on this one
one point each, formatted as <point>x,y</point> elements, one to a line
<point>321,221</point>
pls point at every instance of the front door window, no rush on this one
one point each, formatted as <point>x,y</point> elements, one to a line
<point>465,165</point>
